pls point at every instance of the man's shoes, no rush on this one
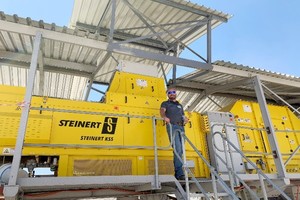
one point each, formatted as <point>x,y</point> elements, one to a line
<point>180,178</point>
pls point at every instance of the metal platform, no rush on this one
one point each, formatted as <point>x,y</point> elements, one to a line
<point>93,186</point>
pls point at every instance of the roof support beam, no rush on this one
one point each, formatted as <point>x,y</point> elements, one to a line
<point>215,89</point>
<point>140,15</point>
<point>189,9</point>
<point>163,72</point>
<point>72,39</point>
<point>19,57</point>
<point>295,110</point>
<point>221,94</point>
<point>158,57</point>
<point>150,43</point>
<point>52,35</point>
<point>166,24</point>
<point>46,68</point>
<point>177,41</point>
<point>98,28</point>
<point>294,101</point>
<point>196,102</point>
<point>161,33</point>
<point>244,73</point>
<point>180,81</point>
<point>214,101</point>
<point>108,54</point>
<point>99,66</point>
<point>95,89</point>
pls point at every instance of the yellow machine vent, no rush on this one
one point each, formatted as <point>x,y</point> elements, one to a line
<point>38,130</point>
<point>204,124</point>
<point>164,166</point>
<point>9,127</point>
<point>102,167</point>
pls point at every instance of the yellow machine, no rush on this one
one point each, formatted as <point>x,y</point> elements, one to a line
<point>76,138</point>
<point>253,139</point>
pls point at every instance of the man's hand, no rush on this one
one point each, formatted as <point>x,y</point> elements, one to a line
<point>185,120</point>
<point>167,120</point>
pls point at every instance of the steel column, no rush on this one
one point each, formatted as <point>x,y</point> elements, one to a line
<point>174,65</point>
<point>89,87</point>
<point>23,121</point>
<point>42,75</point>
<point>112,22</point>
<point>209,41</point>
<point>269,127</point>
<point>163,71</point>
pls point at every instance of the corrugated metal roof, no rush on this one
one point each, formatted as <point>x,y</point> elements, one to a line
<point>256,70</point>
<point>66,62</point>
<point>56,84</point>
<point>95,16</point>
<point>15,57</point>
<point>70,56</point>
<point>224,73</point>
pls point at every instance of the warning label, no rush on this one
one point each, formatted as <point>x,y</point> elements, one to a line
<point>8,151</point>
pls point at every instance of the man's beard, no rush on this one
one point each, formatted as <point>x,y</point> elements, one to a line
<point>172,98</point>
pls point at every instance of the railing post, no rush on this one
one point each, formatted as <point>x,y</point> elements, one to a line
<point>228,166</point>
<point>220,180</point>
<point>214,185</point>
<point>292,155</point>
<point>156,181</point>
<point>263,187</point>
<point>253,165</point>
<point>187,187</point>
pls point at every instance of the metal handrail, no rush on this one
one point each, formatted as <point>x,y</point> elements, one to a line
<point>239,178</point>
<point>259,129</point>
<point>259,171</point>
<point>155,147</point>
<point>212,170</point>
<point>292,155</point>
<point>186,167</point>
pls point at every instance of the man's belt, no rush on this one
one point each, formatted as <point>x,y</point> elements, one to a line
<point>179,123</point>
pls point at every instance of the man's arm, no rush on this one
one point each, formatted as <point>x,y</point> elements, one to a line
<point>185,119</point>
<point>163,115</point>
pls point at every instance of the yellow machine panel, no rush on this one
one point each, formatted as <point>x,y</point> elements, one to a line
<point>253,138</point>
<point>39,126</point>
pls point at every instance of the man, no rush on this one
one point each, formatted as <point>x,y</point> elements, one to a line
<point>172,113</point>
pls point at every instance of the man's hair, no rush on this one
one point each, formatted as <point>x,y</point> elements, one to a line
<point>171,88</point>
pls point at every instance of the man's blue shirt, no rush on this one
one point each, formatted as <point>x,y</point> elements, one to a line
<point>174,111</point>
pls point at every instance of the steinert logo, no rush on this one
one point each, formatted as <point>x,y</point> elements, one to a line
<point>109,126</point>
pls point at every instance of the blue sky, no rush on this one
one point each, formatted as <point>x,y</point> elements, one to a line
<point>262,34</point>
